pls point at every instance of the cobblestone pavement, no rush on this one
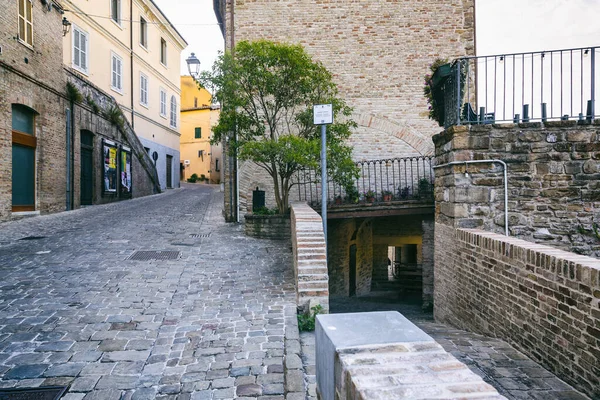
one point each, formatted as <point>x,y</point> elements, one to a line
<point>75,310</point>
<point>513,374</point>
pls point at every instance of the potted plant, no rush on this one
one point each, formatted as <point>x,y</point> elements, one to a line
<point>403,192</point>
<point>338,200</point>
<point>431,90</point>
<point>386,195</point>
<point>425,188</point>
<point>370,196</point>
<point>352,196</point>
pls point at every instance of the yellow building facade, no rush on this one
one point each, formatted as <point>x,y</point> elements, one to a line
<point>130,50</point>
<point>197,118</point>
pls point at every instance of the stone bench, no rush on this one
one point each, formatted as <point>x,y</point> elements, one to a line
<point>382,355</point>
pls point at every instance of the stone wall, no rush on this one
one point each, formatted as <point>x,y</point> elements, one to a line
<point>553,181</point>
<point>310,258</point>
<point>267,226</point>
<point>339,239</point>
<point>543,300</point>
<point>378,51</point>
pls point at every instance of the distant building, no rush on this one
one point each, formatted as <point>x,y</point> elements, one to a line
<point>378,51</point>
<point>198,116</point>
<point>129,49</point>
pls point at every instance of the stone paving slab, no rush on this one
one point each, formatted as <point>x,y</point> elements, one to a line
<point>75,310</point>
<point>513,374</point>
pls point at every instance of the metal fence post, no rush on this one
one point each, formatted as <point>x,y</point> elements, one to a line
<point>593,81</point>
<point>458,97</point>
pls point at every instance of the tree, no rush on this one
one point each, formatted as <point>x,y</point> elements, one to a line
<point>267,91</point>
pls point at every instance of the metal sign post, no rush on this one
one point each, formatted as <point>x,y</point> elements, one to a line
<point>323,115</point>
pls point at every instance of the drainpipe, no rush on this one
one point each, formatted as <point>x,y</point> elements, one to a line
<point>131,56</point>
<point>504,168</point>
<point>68,158</point>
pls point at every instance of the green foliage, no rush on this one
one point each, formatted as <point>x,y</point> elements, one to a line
<point>425,187</point>
<point>114,115</point>
<point>93,105</point>
<point>73,93</point>
<point>352,195</point>
<point>266,211</point>
<point>193,178</point>
<point>267,91</point>
<point>435,110</point>
<point>306,322</point>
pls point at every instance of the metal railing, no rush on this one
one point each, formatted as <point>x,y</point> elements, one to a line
<point>522,87</point>
<point>379,181</point>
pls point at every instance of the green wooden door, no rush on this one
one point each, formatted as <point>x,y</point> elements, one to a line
<point>87,171</point>
<point>23,177</point>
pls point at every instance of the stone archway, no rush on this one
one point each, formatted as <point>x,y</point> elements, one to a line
<point>421,143</point>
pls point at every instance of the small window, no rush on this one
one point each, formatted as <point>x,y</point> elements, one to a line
<point>198,133</point>
<point>116,73</point>
<point>115,11</point>
<point>80,50</point>
<point>144,90</point>
<point>163,51</point>
<point>143,32</point>
<point>163,103</point>
<point>25,22</point>
<point>217,165</point>
<point>173,112</point>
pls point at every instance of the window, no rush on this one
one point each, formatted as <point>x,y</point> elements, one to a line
<point>116,73</point>
<point>25,25</point>
<point>163,51</point>
<point>24,144</point>
<point>163,103</point>
<point>173,112</point>
<point>198,133</point>
<point>115,11</point>
<point>144,90</point>
<point>217,165</point>
<point>143,32</point>
<point>80,50</point>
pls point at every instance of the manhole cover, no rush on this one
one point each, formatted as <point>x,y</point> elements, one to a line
<point>40,393</point>
<point>33,238</point>
<point>199,235</point>
<point>154,255</point>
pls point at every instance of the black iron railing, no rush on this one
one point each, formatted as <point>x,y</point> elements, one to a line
<point>379,181</point>
<point>522,87</point>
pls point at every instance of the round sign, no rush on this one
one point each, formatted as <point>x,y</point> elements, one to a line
<point>154,155</point>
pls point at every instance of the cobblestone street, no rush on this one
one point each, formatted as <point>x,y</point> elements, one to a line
<point>209,324</point>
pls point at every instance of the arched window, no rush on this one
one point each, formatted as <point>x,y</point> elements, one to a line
<point>23,158</point>
<point>173,112</point>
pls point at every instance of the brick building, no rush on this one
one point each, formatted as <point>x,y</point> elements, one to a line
<point>378,51</point>
<point>52,149</point>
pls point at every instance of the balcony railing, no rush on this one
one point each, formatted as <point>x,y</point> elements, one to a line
<point>522,87</point>
<point>379,181</point>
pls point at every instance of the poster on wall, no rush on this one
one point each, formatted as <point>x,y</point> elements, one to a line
<point>109,151</point>
<point>125,168</point>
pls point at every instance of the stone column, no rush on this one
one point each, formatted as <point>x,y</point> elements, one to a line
<point>427,262</point>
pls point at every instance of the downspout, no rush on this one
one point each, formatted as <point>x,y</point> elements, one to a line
<point>505,182</point>
<point>68,158</point>
<point>72,159</point>
<point>235,138</point>
<point>131,57</point>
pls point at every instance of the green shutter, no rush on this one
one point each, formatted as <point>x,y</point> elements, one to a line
<point>198,133</point>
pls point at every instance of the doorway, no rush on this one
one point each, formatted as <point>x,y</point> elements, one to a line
<point>352,271</point>
<point>86,191</point>
<point>169,172</point>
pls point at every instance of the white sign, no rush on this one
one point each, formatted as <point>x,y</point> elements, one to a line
<point>323,114</point>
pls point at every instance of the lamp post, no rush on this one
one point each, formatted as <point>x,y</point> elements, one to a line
<point>193,65</point>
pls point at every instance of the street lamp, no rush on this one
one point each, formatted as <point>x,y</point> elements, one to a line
<point>193,66</point>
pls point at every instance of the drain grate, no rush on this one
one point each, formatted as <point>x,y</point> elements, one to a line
<point>154,255</point>
<point>33,238</point>
<point>199,235</point>
<point>39,393</point>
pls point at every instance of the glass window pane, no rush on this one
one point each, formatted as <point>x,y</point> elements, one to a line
<point>22,8</point>
<point>29,35</point>
<point>21,28</point>
<point>28,11</point>
<point>22,119</point>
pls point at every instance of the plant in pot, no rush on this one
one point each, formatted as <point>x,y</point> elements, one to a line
<point>403,192</point>
<point>338,200</point>
<point>386,195</point>
<point>425,188</point>
<point>439,71</point>
<point>352,195</point>
<point>370,196</point>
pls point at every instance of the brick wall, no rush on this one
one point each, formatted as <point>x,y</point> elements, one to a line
<point>543,300</point>
<point>267,226</point>
<point>33,77</point>
<point>378,51</point>
<point>553,182</point>
<point>310,258</point>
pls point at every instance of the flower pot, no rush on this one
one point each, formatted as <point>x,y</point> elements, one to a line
<point>441,74</point>
<point>387,197</point>
<point>370,199</point>
<point>338,201</point>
